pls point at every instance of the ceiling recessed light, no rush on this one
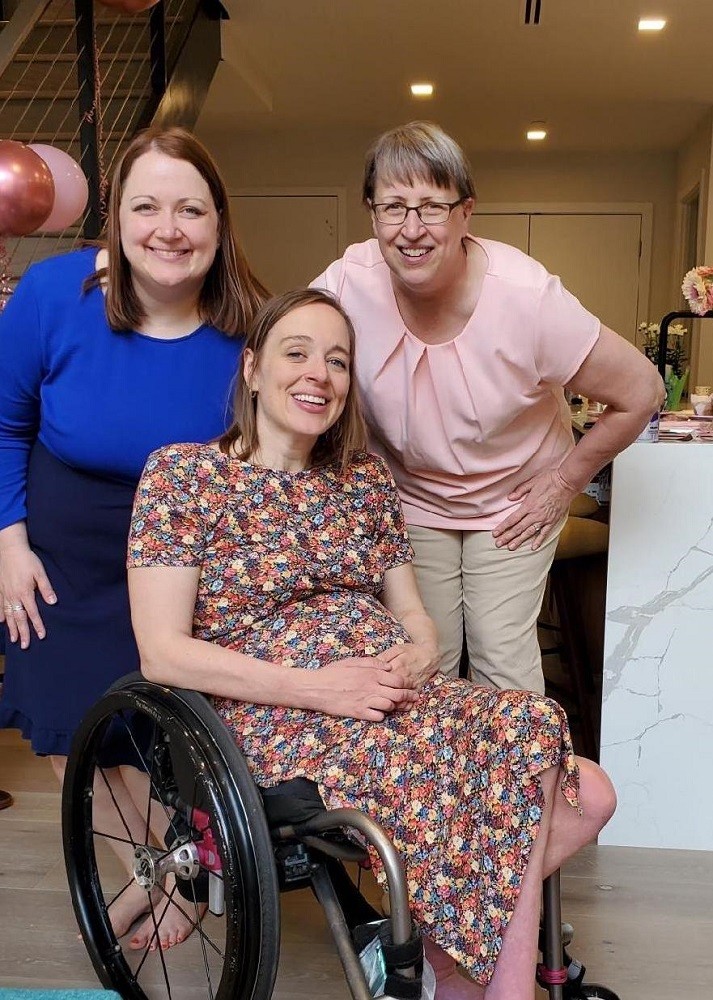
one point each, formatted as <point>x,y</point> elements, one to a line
<point>422,89</point>
<point>537,132</point>
<point>652,23</point>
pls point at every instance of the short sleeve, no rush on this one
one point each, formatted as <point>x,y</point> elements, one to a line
<point>169,521</point>
<point>566,333</point>
<point>392,543</point>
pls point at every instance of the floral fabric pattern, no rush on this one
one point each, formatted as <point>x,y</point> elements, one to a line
<point>291,567</point>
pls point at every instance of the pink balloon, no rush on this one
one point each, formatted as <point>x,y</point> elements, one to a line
<point>71,190</point>
<point>26,189</point>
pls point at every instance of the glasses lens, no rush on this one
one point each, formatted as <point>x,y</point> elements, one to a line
<point>391,213</point>
<point>434,212</point>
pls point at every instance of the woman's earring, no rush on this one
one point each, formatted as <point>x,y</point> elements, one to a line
<point>253,393</point>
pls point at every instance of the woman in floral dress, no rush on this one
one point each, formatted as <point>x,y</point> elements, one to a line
<point>272,571</point>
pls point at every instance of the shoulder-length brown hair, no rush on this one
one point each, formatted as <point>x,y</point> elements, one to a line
<point>231,294</point>
<point>345,438</point>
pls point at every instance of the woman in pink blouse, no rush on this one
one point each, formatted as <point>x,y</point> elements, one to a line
<point>464,348</point>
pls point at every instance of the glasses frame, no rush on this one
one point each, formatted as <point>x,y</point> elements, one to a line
<point>450,205</point>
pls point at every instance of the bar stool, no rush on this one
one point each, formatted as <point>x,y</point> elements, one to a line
<point>581,540</point>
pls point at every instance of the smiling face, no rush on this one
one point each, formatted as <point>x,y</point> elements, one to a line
<point>302,379</point>
<point>422,258</point>
<point>169,226</point>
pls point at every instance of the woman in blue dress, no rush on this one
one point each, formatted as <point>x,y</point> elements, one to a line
<point>107,354</point>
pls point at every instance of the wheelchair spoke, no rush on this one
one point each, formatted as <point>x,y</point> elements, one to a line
<point>205,792</point>
<point>119,812</point>
<point>159,949</point>
<point>115,898</point>
<point>196,925</point>
<point>110,836</point>
<point>148,767</point>
<point>206,965</point>
<point>151,785</point>
<point>154,935</point>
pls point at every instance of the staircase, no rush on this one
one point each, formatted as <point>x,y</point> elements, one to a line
<point>83,78</point>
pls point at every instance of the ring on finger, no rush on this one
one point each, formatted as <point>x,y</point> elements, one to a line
<point>537,528</point>
<point>14,608</point>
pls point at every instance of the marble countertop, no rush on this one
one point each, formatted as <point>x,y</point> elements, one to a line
<point>657,704</point>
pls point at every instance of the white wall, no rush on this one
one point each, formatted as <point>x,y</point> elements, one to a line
<point>693,167</point>
<point>322,159</point>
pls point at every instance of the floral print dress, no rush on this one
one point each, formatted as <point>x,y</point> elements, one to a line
<point>291,567</point>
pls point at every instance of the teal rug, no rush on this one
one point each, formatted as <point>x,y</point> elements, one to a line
<point>8,993</point>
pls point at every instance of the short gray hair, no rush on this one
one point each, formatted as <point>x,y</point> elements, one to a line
<point>417,151</point>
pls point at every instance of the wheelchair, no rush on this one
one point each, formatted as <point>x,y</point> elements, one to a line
<point>231,849</point>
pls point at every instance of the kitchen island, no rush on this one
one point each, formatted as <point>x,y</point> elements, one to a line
<point>657,701</point>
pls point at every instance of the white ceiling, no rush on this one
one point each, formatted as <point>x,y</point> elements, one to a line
<point>585,69</point>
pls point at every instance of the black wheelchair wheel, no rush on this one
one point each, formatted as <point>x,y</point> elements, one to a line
<point>590,991</point>
<point>217,848</point>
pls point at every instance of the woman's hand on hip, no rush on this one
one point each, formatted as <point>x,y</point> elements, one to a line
<point>360,687</point>
<point>418,662</point>
<point>21,573</point>
<point>546,499</point>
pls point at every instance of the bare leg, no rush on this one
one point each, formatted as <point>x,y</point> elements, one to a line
<point>562,832</point>
<point>116,814</point>
<point>174,925</point>
<point>450,985</point>
<point>107,819</point>
<point>569,831</point>
<point>514,975</point>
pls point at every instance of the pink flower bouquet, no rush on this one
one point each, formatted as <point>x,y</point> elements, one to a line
<point>697,288</point>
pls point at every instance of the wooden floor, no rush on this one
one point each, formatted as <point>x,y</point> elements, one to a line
<point>643,919</point>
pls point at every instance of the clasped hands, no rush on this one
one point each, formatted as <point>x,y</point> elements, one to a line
<point>371,687</point>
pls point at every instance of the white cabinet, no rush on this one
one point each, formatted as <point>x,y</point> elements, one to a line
<point>288,238</point>
<point>596,254</point>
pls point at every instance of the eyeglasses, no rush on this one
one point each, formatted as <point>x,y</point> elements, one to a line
<point>431,213</point>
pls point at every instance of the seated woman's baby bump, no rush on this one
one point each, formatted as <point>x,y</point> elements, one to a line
<point>320,629</point>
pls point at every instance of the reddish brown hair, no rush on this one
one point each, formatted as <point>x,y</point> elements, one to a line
<point>231,294</point>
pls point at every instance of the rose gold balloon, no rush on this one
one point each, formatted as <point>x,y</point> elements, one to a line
<point>26,189</point>
<point>129,6</point>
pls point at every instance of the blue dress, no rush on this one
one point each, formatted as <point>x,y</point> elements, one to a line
<point>81,408</point>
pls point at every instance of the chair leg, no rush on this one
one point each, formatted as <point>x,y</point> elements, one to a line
<point>574,643</point>
<point>551,974</point>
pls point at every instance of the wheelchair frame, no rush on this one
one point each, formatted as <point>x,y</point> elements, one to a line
<point>219,838</point>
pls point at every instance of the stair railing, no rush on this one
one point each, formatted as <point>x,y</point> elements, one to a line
<point>83,78</point>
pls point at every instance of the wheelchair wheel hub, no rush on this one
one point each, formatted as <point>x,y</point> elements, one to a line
<point>152,865</point>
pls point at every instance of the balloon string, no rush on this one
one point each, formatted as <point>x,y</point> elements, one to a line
<point>5,286</point>
<point>100,126</point>
<point>94,114</point>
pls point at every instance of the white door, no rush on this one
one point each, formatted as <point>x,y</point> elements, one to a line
<point>512,229</point>
<point>597,258</point>
<point>288,239</point>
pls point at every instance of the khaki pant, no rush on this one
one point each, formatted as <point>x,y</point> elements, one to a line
<point>494,594</point>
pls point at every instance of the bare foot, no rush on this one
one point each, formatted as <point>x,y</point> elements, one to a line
<point>174,924</point>
<point>128,907</point>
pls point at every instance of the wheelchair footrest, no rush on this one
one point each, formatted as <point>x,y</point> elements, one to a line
<point>395,958</point>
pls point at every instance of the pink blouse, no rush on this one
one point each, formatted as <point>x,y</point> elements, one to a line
<point>461,424</point>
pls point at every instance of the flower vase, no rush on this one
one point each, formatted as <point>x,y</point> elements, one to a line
<point>675,384</point>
